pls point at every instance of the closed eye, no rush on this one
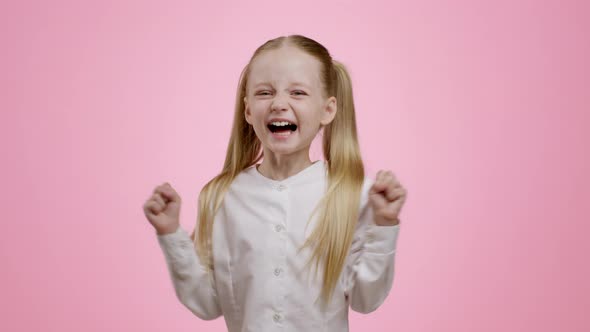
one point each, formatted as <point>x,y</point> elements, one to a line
<point>265,93</point>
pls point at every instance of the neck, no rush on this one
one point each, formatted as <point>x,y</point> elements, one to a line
<point>281,167</point>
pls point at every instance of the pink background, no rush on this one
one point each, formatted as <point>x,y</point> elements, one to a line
<point>479,107</point>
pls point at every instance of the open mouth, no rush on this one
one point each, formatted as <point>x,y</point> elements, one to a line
<point>281,127</point>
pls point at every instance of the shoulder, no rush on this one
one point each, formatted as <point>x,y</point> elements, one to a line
<point>246,178</point>
<point>364,198</point>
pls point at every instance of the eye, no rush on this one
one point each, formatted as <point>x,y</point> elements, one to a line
<point>262,93</point>
<point>301,92</point>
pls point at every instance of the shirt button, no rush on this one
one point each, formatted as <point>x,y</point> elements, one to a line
<point>276,318</point>
<point>281,187</point>
<point>278,228</point>
<point>277,271</point>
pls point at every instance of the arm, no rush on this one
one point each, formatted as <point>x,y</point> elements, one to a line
<point>369,271</point>
<point>194,287</point>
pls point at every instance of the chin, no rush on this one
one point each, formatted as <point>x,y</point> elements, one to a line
<point>282,149</point>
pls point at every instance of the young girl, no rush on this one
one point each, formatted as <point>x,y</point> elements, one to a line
<point>262,226</point>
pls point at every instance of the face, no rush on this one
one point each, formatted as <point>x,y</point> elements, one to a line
<point>285,84</point>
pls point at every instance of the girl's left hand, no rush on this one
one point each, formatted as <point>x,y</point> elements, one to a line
<point>387,196</point>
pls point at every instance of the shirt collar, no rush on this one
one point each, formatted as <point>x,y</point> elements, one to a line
<point>311,173</point>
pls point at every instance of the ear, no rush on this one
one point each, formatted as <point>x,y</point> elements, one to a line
<point>329,111</point>
<point>247,114</point>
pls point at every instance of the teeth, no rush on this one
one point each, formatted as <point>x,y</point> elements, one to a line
<point>280,123</point>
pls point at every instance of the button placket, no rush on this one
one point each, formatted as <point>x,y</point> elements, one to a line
<point>278,271</point>
<point>276,317</point>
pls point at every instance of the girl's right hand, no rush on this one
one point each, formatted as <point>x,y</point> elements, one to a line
<point>162,209</point>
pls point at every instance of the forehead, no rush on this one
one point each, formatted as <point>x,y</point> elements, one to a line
<point>286,65</point>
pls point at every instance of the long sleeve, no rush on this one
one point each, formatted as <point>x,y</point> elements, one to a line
<point>194,287</point>
<point>369,271</point>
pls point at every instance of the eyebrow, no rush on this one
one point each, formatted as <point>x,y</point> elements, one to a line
<point>294,83</point>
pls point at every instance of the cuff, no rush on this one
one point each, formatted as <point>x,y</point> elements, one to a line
<point>381,239</point>
<point>172,239</point>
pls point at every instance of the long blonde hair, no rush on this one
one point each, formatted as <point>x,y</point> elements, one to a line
<point>332,236</point>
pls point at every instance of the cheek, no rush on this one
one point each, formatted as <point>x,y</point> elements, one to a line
<point>256,112</point>
<point>258,108</point>
<point>312,120</point>
<point>257,118</point>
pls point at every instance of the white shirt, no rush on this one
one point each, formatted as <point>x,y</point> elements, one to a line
<point>258,283</point>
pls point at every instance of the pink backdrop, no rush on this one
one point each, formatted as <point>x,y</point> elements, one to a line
<point>480,108</point>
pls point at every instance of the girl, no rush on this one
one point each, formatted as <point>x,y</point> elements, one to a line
<point>249,255</point>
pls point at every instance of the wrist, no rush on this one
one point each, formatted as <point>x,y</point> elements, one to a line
<point>167,230</point>
<point>387,222</point>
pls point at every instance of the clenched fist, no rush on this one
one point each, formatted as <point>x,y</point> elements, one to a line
<point>387,196</point>
<point>162,209</point>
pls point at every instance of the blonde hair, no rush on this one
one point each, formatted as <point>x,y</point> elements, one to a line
<point>338,208</point>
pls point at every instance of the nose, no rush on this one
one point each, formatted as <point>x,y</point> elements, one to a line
<point>279,103</point>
